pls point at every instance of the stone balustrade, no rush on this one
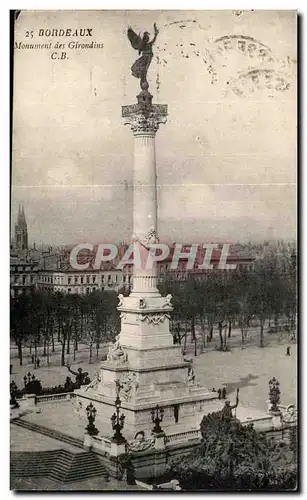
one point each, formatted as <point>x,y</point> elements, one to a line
<point>65,396</point>
<point>102,441</point>
<point>184,436</point>
<point>100,444</point>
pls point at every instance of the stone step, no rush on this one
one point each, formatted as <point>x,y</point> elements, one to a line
<point>60,465</point>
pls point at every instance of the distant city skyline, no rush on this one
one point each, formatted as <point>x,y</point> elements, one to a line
<point>226,164</point>
<point>270,236</point>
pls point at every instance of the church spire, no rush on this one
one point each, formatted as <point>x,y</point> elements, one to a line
<point>19,216</point>
<point>21,230</point>
<point>23,217</point>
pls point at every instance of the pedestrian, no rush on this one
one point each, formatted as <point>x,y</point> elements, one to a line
<point>224,393</point>
<point>32,359</point>
<point>219,393</point>
<point>288,351</point>
<point>35,365</point>
<point>38,362</point>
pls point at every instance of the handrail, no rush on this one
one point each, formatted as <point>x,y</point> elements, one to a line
<point>54,397</point>
<point>174,437</point>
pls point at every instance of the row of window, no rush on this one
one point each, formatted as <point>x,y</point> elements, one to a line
<point>23,279</point>
<point>82,290</point>
<point>50,279</point>
<point>78,290</point>
<point>108,279</point>
<point>21,269</point>
<point>76,279</point>
<point>88,279</point>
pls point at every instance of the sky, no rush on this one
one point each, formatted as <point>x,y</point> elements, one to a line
<point>226,158</point>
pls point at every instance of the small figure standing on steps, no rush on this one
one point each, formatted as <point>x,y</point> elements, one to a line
<point>288,351</point>
<point>219,393</point>
<point>130,474</point>
<point>224,393</point>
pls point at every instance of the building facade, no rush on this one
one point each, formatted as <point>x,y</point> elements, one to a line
<point>23,275</point>
<point>51,270</point>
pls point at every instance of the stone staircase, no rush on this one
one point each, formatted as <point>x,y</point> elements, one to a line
<point>58,465</point>
<point>59,436</point>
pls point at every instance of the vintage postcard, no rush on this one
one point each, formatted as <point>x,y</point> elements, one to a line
<point>153,259</point>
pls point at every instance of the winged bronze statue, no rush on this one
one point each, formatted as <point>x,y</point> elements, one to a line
<point>144,45</point>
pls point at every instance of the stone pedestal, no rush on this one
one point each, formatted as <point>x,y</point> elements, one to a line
<point>276,419</point>
<point>87,443</point>
<point>117,449</point>
<point>144,365</point>
<point>160,441</point>
<point>269,405</point>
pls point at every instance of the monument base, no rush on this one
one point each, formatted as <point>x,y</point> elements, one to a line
<point>145,369</point>
<point>184,403</point>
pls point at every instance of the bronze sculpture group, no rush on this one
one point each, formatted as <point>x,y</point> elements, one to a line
<point>82,377</point>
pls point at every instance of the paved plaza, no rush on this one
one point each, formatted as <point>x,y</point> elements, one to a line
<point>93,484</point>
<point>248,369</point>
<point>26,440</point>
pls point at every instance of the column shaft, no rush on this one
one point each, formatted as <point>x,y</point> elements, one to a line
<point>144,209</point>
<point>144,185</point>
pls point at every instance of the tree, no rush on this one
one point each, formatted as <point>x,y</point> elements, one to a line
<point>90,309</point>
<point>179,323</point>
<point>101,319</point>
<point>37,311</point>
<point>260,297</point>
<point>20,321</point>
<point>64,308</point>
<point>48,322</point>
<point>218,302</point>
<point>235,457</point>
<point>77,322</point>
<point>243,291</point>
<point>188,304</point>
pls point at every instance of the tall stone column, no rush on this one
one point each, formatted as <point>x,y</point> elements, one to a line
<point>143,366</point>
<point>144,119</point>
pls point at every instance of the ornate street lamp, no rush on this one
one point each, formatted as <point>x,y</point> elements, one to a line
<point>118,422</point>
<point>157,417</point>
<point>274,393</point>
<point>91,415</point>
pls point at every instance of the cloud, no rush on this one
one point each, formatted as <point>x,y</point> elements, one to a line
<point>70,141</point>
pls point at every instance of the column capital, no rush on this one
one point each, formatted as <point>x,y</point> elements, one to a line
<point>144,118</point>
